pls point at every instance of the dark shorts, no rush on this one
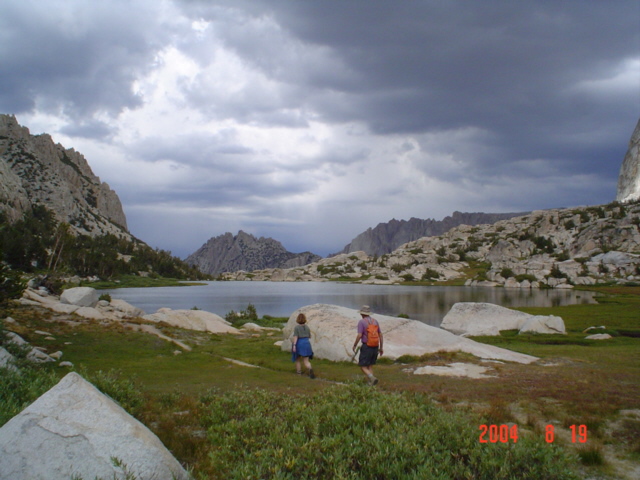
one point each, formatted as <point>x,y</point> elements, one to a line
<point>368,355</point>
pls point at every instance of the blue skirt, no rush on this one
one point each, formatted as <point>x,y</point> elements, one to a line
<point>303,349</point>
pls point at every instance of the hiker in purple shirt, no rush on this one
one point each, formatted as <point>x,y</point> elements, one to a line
<point>371,336</point>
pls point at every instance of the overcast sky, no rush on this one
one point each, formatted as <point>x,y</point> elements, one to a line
<point>310,121</point>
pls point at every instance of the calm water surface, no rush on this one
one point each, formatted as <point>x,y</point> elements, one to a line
<point>281,299</point>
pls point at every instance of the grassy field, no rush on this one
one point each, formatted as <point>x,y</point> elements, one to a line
<point>226,420</point>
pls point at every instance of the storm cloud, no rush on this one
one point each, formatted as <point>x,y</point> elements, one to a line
<point>312,121</point>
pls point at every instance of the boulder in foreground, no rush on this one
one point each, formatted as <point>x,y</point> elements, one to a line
<point>74,431</point>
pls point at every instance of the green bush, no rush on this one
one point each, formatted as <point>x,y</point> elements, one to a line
<point>19,389</point>
<point>557,273</point>
<point>354,432</point>
<point>525,276</point>
<point>398,267</point>
<point>122,390</point>
<point>506,273</point>
<point>11,284</point>
<point>430,274</point>
<point>240,318</point>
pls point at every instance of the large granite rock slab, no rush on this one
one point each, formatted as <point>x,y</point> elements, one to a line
<point>80,296</point>
<point>469,318</point>
<point>192,320</point>
<point>333,331</point>
<point>74,430</point>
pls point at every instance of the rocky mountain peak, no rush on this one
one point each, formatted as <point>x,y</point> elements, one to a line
<point>35,170</point>
<point>629,179</point>
<point>229,253</point>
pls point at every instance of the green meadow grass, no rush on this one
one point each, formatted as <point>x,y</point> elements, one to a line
<point>225,420</point>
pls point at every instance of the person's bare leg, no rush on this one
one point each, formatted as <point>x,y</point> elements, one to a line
<point>298,365</point>
<point>368,371</point>
<point>307,365</point>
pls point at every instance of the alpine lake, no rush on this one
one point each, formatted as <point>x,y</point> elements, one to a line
<point>428,304</point>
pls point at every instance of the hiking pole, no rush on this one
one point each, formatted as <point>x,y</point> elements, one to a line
<point>355,353</point>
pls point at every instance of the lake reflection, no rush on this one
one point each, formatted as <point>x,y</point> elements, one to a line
<point>281,299</point>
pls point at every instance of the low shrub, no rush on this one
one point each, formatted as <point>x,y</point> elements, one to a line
<point>591,455</point>
<point>525,276</point>
<point>19,389</point>
<point>356,432</point>
<point>506,273</point>
<point>240,318</point>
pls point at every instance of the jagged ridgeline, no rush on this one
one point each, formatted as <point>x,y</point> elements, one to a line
<point>386,237</point>
<point>57,216</point>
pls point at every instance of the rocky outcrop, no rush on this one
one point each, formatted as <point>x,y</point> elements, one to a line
<point>34,170</point>
<point>6,360</point>
<point>334,328</point>
<point>192,320</point>
<point>113,311</point>
<point>229,253</point>
<point>556,248</point>
<point>386,237</point>
<point>468,318</point>
<point>80,296</point>
<point>75,431</point>
<point>629,179</point>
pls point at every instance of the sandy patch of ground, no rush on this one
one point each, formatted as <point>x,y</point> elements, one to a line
<point>469,370</point>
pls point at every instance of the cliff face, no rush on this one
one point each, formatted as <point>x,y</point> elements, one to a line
<point>34,170</point>
<point>229,253</point>
<point>386,237</point>
<point>629,180</point>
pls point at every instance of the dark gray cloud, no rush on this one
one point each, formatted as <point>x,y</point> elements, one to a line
<point>90,128</point>
<point>512,68</point>
<point>313,120</point>
<point>75,59</point>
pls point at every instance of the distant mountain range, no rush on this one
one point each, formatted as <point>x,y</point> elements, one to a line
<point>386,237</point>
<point>555,248</point>
<point>244,252</point>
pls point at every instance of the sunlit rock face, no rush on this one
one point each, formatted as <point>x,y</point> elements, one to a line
<point>629,180</point>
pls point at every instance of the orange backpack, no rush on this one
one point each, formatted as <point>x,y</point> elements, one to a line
<point>373,333</point>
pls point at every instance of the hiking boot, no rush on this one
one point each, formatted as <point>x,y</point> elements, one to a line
<point>373,380</point>
<point>311,374</point>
